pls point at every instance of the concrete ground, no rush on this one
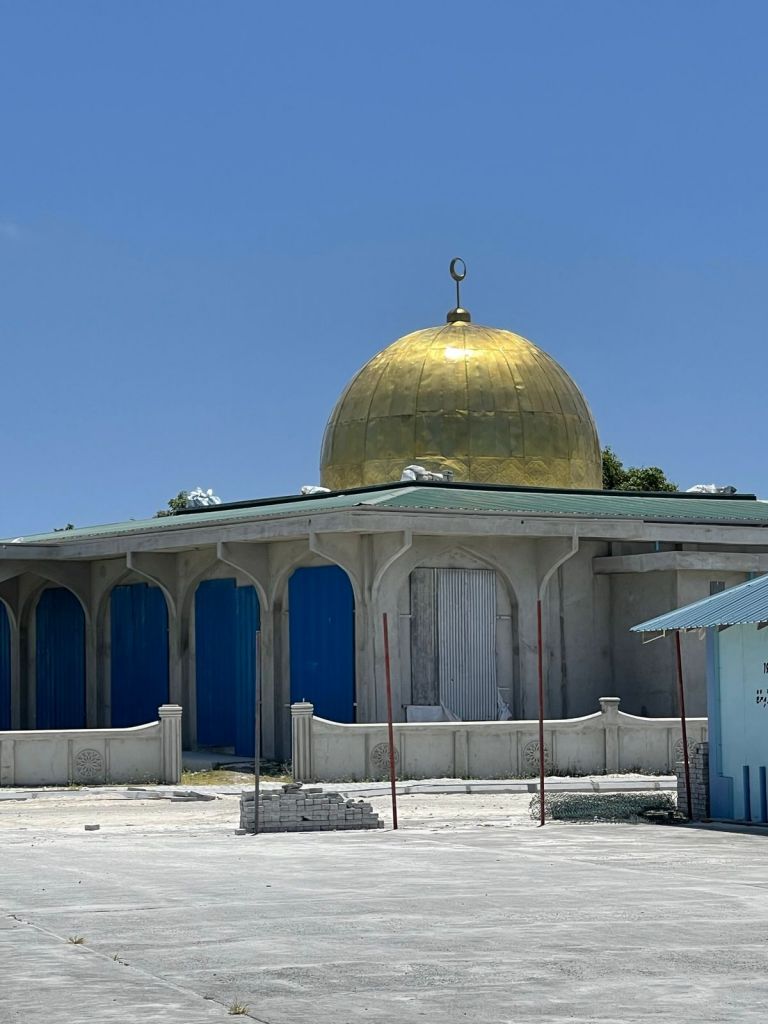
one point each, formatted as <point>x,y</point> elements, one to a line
<point>467,913</point>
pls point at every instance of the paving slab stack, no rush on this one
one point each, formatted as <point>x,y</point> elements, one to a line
<point>296,809</point>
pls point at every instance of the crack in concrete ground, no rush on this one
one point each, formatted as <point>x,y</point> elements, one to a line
<point>115,958</point>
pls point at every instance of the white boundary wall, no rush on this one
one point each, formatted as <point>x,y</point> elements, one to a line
<point>607,741</point>
<point>60,757</point>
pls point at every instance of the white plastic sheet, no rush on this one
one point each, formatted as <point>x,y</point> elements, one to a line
<point>201,499</point>
<point>711,489</point>
<point>419,473</point>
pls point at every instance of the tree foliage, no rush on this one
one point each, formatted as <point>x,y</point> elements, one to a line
<point>618,477</point>
<point>174,505</point>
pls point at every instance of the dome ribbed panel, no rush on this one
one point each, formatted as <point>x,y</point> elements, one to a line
<point>485,403</point>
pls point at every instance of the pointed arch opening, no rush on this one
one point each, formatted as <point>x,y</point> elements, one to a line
<point>59,660</point>
<point>138,616</point>
<point>227,619</point>
<point>321,626</point>
<point>463,640</point>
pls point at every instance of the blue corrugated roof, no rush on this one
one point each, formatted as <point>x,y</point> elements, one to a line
<point>745,603</point>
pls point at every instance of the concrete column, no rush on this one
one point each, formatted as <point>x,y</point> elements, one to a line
<point>282,681</point>
<point>187,666</point>
<point>104,667</point>
<point>526,702</point>
<point>17,707</point>
<point>91,674</point>
<point>175,674</point>
<point>367,621</point>
<point>301,729</point>
<point>377,707</point>
<point>170,743</point>
<point>363,667</point>
<point>266,674</point>
<point>28,674</point>
<point>609,708</point>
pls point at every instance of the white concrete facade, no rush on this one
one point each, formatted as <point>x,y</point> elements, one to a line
<point>614,573</point>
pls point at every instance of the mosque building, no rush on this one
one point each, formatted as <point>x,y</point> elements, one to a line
<point>461,475</point>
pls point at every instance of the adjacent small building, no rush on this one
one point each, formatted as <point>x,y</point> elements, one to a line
<point>735,622</point>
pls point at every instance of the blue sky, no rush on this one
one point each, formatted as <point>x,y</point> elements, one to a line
<point>211,214</point>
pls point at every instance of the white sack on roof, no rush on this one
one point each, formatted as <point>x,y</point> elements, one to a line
<point>419,473</point>
<point>201,499</point>
<point>314,489</point>
<point>711,489</point>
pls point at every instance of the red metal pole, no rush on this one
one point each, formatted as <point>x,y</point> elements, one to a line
<point>542,813</point>
<point>683,723</point>
<point>390,730</point>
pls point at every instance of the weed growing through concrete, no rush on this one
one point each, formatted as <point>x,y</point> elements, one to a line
<point>76,940</point>
<point>271,771</point>
<point>238,1009</point>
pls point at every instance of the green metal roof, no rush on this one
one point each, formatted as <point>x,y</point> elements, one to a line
<point>613,505</point>
<point>452,498</point>
<point>218,516</point>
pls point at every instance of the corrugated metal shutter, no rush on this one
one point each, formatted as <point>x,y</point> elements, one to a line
<point>139,653</point>
<point>5,669</point>
<point>466,629</point>
<point>321,608</point>
<point>226,623</point>
<point>60,660</point>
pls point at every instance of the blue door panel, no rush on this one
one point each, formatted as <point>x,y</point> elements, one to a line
<point>5,669</point>
<point>227,618</point>
<point>322,641</point>
<point>60,660</point>
<point>139,653</point>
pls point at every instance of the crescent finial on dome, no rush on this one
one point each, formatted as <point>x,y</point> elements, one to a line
<point>458,315</point>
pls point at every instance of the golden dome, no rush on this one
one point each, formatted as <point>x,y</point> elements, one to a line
<point>484,403</point>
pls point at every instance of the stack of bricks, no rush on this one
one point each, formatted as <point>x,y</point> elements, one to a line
<point>698,764</point>
<point>305,810</point>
